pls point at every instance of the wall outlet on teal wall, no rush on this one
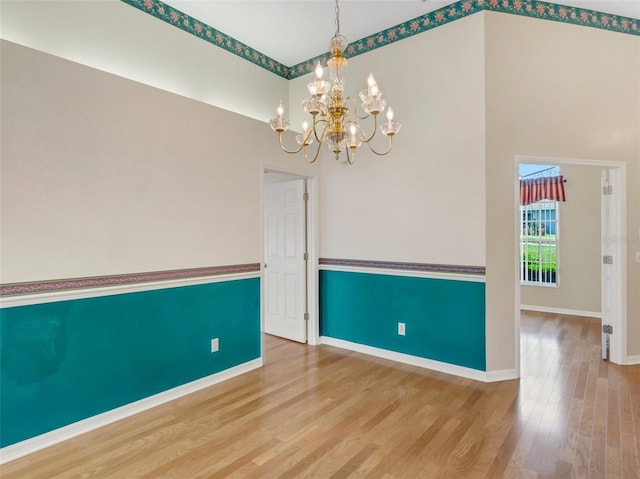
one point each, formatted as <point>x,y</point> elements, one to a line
<point>401,329</point>
<point>215,345</point>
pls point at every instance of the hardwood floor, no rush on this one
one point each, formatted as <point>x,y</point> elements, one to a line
<point>322,412</point>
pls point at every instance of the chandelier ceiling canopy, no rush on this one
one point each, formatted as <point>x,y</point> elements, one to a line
<point>332,121</point>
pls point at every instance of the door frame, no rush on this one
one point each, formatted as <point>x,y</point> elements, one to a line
<point>618,341</point>
<point>313,336</point>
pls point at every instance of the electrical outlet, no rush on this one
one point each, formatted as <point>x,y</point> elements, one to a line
<point>401,330</point>
<point>215,345</point>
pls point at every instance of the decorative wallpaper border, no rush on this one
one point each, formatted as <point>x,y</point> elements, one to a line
<point>398,266</point>
<point>401,31</point>
<point>442,16</point>
<point>191,25</point>
<point>15,289</point>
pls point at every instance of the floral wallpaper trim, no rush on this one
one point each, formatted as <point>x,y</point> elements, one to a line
<point>442,16</point>
<point>392,265</point>
<point>565,14</point>
<point>401,31</point>
<point>123,279</point>
<point>175,17</point>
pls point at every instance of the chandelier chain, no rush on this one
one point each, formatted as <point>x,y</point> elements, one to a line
<point>337,19</point>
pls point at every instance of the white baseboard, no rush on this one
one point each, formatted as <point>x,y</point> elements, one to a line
<point>569,312</point>
<point>28,446</point>
<point>502,375</point>
<point>439,366</point>
<point>633,360</point>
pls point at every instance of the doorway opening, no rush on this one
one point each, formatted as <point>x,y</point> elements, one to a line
<point>606,196</point>
<point>289,256</point>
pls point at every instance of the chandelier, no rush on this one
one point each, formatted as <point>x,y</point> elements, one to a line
<point>333,122</point>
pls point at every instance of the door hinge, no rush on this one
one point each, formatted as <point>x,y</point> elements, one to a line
<point>306,256</point>
<point>306,316</point>
<point>607,190</point>
<point>305,196</point>
<point>607,329</point>
<point>608,259</point>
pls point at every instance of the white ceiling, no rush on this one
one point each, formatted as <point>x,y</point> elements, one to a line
<point>293,31</point>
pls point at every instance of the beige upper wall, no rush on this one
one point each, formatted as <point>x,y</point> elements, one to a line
<point>554,90</point>
<point>579,247</point>
<point>117,38</point>
<point>423,201</point>
<point>103,175</point>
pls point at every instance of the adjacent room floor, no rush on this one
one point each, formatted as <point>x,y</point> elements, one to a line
<point>322,412</point>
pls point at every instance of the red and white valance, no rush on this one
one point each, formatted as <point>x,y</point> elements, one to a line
<point>536,189</point>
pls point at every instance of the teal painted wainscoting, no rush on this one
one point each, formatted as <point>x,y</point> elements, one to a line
<point>67,361</point>
<point>445,319</point>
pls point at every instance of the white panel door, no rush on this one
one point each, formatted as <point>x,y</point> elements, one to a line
<point>607,279</point>
<point>285,269</point>
<point>612,274</point>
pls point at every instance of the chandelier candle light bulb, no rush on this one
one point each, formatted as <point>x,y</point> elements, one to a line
<point>332,113</point>
<point>279,124</point>
<point>372,86</point>
<point>305,139</point>
<point>353,139</point>
<point>318,87</point>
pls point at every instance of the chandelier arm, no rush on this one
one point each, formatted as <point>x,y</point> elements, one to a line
<point>315,157</point>
<point>350,159</point>
<point>379,153</point>
<point>291,152</point>
<point>320,138</point>
<point>355,108</point>
<point>366,139</point>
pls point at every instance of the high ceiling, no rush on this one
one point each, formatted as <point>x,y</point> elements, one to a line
<point>292,31</point>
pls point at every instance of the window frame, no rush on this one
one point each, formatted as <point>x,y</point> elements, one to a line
<point>532,216</point>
